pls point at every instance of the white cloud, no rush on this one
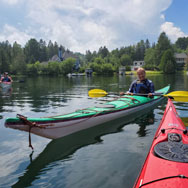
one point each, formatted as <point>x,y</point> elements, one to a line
<point>12,34</point>
<point>11,2</point>
<point>81,24</point>
<point>172,32</point>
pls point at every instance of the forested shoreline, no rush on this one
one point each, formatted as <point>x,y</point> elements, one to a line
<point>34,57</point>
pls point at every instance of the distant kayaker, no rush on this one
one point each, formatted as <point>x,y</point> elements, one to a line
<point>141,85</point>
<point>6,78</point>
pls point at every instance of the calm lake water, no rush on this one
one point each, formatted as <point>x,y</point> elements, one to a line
<point>109,155</point>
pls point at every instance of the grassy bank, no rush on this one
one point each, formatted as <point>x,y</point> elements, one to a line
<point>147,72</point>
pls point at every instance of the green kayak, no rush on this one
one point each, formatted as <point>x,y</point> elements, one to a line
<point>66,124</point>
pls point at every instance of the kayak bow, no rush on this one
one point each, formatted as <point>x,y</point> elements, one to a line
<point>166,164</point>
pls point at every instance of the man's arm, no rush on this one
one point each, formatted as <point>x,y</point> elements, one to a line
<point>152,88</point>
<point>131,87</point>
<point>130,91</point>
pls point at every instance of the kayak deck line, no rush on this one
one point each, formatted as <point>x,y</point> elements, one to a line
<point>33,124</point>
<point>160,179</point>
<point>104,107</point>
<point>86,111</point>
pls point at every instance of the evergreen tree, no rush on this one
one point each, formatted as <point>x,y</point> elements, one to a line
<point>32,51</point>
<point>50,51</point>
<point>182,43</point>
<point>162,45</point>
<point>42,51</point>
<point>88,56</point>
<point>140,50</point>
<point>147,44</point>
<point>103,52</point>
<point>18,63</point>
<point>168,62</point>
<point>4,61</point>
<point>149,59</point>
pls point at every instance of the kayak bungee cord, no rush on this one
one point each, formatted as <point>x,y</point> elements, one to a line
<point>160,179</point>
<point>94,115</point>
<point>163,131</point>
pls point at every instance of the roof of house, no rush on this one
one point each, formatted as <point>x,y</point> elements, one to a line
<point>55,58</point>
<point>180,55</point>
<point>68,54</point>
<point>138,61</point>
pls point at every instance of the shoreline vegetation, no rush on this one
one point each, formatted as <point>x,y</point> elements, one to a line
<point>127,73</point>
<point>39,58</point>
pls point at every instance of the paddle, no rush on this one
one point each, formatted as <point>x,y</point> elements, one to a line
<point>180,96</point>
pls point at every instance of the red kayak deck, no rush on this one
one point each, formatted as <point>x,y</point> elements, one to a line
<point>166,164</point>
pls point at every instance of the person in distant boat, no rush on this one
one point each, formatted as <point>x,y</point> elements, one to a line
<point>6,78</point>
<point>141,85</point>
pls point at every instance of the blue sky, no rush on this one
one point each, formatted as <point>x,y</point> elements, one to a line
<point>81,25</point>
<point>178,14</point>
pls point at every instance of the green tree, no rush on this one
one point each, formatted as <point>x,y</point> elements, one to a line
<point>31,69</point>
<point>107,68</point>
<point>147,44</point>
<point>162,45</point>
<point>32,51</point>
<point>50,50</point>
<point>18,63</point>
<point>67,65</point>
<point>182,43</point>
<point>125,60</point>
<point>103,52</point>
<point>99,60</point>
<point>140,50</point>
<point>5,56</point>
<point>149,59</point>
<point>4,61</point>
<point>168,62</point>
<point>53,68</point>
<point>42,51</point>
<point>96,67</point>
<point>88,56</point>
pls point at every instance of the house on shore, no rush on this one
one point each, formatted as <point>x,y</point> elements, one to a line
<point>61,57</point>
<point>137,64</point>
<point>181,60</point>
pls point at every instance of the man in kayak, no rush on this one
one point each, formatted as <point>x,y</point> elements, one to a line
<point>6,78</point>
<point>141,85</point>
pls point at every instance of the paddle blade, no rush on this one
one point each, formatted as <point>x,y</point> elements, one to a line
<point>179,96</point>
<point>97,93</point>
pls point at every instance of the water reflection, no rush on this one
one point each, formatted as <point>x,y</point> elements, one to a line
<point>6,91</point>
<point>143,122</point>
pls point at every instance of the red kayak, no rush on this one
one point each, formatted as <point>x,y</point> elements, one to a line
<point>166,164</point>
